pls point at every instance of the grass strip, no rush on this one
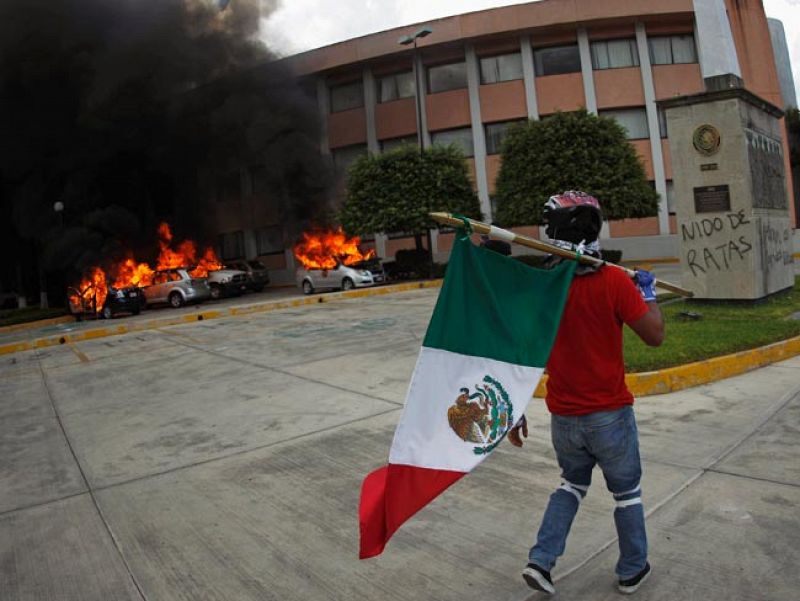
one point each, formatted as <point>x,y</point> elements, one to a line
<point>722,329</point>
<point>11,317</point>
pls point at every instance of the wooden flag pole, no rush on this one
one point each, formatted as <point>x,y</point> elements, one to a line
<point>501,234</point>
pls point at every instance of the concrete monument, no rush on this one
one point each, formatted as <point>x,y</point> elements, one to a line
<point>734,229</point>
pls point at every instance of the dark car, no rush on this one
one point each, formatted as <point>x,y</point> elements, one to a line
<point>257,274</point>
<point>122,300</point>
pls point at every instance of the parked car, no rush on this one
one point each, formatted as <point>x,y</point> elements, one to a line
<point>122,300</point>
<point>176,287</point>
<point>257,274</point>
<point>225,282</point>
<point>358,275</point>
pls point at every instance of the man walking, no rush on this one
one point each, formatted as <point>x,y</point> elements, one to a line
<point>592,419</point>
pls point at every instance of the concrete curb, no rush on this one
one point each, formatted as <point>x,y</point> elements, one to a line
<point>672,379</point>
<point>641,384</point>
<point>202,315</point>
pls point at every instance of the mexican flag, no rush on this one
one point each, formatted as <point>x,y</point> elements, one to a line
<point>483,354</point>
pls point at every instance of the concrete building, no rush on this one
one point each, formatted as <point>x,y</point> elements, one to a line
<point>481,71</point>
<point>783,63</point>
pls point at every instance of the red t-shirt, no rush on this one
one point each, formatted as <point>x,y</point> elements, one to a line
<point>586,369</point>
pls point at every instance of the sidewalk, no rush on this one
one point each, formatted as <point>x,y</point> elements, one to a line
<point>222,461</point>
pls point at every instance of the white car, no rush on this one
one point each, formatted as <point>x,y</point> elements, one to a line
<point>342,277</point>
<point>226,281</point>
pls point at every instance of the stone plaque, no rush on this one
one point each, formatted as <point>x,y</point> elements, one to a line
<point>766,171</point>
<point>712,199</point>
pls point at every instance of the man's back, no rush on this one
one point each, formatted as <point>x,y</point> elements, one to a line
<point>586,368</point>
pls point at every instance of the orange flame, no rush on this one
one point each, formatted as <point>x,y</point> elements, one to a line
<point>93,287</point>
<point>129,273</point>
<point>185,255</point>
<point>208,262</point>
<point>324,250</point>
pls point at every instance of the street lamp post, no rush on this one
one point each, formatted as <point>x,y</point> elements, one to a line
<point>58,208</point>
<point>405,41</point>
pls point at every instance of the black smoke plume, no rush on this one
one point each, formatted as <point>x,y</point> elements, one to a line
<point>122,111</point>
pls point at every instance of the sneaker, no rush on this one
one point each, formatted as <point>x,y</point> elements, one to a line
<point>538,579</point>
<point>630,585</point>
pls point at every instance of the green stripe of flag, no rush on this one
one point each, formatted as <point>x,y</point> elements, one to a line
<point>497,307</point>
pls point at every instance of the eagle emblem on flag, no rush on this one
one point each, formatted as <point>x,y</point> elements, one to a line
<point>483,416</point>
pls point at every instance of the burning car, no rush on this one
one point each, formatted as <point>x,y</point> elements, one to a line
<point>113,287</point>
<point>332,260</point>
<point>176,287</point>
<point>342,276</point>
<point>122,300</point>
<point>101,299</point>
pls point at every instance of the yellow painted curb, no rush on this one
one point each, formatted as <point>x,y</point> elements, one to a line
<point>15,347</point>
<point>680,377</point>
<point>202,315</point>
<point>711,370</point>
<point>662,381</point>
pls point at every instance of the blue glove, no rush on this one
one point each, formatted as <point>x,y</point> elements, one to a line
<point>646,282</point>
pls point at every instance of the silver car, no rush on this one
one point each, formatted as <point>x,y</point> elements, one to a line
<point>343,276</point>
<point>176,287</point>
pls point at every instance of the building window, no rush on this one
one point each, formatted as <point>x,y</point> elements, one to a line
<point>672,50</point>
<point>670,197</point>
<point>461,138</point>
<point>505,67</point>
<point>269,240</point>
<point>633,120</point>
<point>395,143</point>
<point>556,60</point>
<point>496,133</point>
<point>396,86</point>
<point>346,155</point>
<point>662,123</point>
<point>447,77</point>
<point>229,187</point>
<point>494,204</point>
<point>348,96</point>
<point>258,179</point>
<point>614,54</point>
<point>231,245</point>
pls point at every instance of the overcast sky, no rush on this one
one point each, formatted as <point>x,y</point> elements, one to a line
<point>299,25</point>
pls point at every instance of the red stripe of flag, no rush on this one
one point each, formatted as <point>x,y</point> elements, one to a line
<point>392,494</point>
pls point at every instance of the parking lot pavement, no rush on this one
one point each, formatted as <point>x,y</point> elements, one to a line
<point>159,311</point>
<point>222,460</point>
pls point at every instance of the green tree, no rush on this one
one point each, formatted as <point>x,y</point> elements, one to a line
<point>395,191</point>
<point>571,151</point>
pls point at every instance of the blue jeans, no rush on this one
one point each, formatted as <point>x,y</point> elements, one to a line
<point>609,439</point>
